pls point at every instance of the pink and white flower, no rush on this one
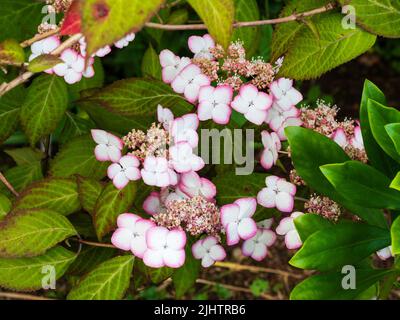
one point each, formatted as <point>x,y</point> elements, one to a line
<point>252,103</point>
<point>172,65</point>
<point>236,218</point>
<point>257,246</point>
<point>193,185</point>
<point>176,195</point>
<point>276,116</point>
<point>285,94</point>
<point>272,145</point>
<point>108,146</point>
<point>182,158</point>
<point>214,103</point>
<point>131,233</point>
<point>279,193</point>
<point>287,228</point>
<point>44,46</point>
<point>184,129</point>
<point>289,122</point>
<point>265,224</point>
<point>165,116</point>
<point>71,68</point>
<point>209,251</point>
<point>189,81</point>
<point>102,52</point>
<point>156,172</point>
<point>339,136</point>
<point>165,248</point>
<point>124,42</point>
<point>385,253</point>
<point>127,169</point>
<point>357,141</point>
<point>152,204</point>
<point>201,46</point>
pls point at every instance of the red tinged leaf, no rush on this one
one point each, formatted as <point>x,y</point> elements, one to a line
<point>72,21</point>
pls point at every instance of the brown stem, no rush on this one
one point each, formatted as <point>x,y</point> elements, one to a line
<point>21,296</point>
<point>96,244</point>
<point>8,184</point>
<point>38,37</point>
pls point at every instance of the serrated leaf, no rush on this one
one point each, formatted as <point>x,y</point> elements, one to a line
<point>22,176</point>
<point>247,10</point>
<point>109,281</point>
<point>329,286</point>
<point>83,224</point>
<point>89,191</point>
<point>23,156</point>
<point>111,203</point>
<point>57,194</point>
<point>5,206</point>
<point>43,62</point>
<point>26,274</point>
<point>77,157</point>
<point>19,19</point>
<point>381,17</point>
<point>310,57</point>
<point>154,275</point>
<point>74,126</point>
<point>90,258</point>
<point>151,66</point>
<point>44,106</point>
<point>104,21</point>
<point>11,52</point>
<point>345,243</point>
<point>28,233</point>
<point>218,15</point>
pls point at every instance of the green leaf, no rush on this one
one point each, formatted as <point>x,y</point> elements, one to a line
<point>247,10</point>
<point>393,130</point>
<point>22,176</point>
<point>362,184</point>
<point>345,243</point>
<point>151,66</point>
<point>43,63</point>
<point>89,192</point>
<point>57,194</point>
<point>5,206</point>
<point>308,224</point>
<point>74,126</point>
<point>11,53</point>
<point>329,286</point>
<point>27,233</point>
<point>285,33</point>
<point>376,155</point>
<point>395,184</point>
<point>395,233</point>
<point>381,17</point>
<point>44,106</point>
<point>77,157</point>
<point>379,117</point>
<point>10,106</point>
<point>311,150</point>
<point>23,156</point>
<point>109,281</point>
<point>309,56</point>
<point>89,258</point>
<point>24,15</point>
<point>218,15</point>
<point>185,277</point>
<point>154,275</point>
<point>105,21</point>
<point>27,274</point>
<point>111,203</point>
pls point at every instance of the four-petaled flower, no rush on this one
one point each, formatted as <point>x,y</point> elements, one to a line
<point>252,103</point>
<point>71,68</point>
<point>257,246</point>
<point>165,116</point>
<point>214,103</point>
<point>189,81</point>
<point>44,46</point>
<point>172,65</point>
<point>127,169</point>
<point>108,146</point>
<point>193,185</point>
<point>208,250</point>
<point>284,94</point>
<point>278,119</point>
<point>279,193</point>
<point>272,145</point>
<point>165,248</point>
<point>236,220</point>
<point>184,129</point>
<point>201,46</point>
<point>287,228</point>
<point>125,41</point>
<point>182,158</point>
<point>156,172</point>
<point>131,233</point>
